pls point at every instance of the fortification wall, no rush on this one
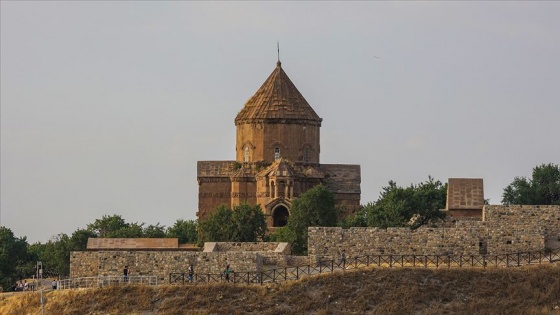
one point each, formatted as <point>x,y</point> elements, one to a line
<point>505,230</point>
<point>546,218</point>
<point>159,263</point>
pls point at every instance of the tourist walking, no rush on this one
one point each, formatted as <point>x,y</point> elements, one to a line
<point>191,273</point>
<point>227,272</point>
<point>125,273</point>
<point>342,261</point>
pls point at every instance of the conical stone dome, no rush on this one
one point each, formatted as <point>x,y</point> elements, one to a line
<point>278,100</point>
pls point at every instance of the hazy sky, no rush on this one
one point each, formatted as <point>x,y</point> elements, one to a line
<point>107,106</point>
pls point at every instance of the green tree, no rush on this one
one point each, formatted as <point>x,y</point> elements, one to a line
<point>249,224</point>
<point>413,206</point>
<point>542,189</point>
<point>429,199</point>
<point>184,230</point>
<point>13,256</point>
<point>315,207</point>
<point>54,255</point>
<point>79,239</point>
<point>244,223</point>
<point>154,231</point>
<point>115,226</point>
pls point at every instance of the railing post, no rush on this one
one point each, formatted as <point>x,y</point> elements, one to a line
<point>297,273</point>
<point>390,261</point>
<point>437,261</point>
<point>261,278</point>
<point>332,265</point>
<point>367,260</point>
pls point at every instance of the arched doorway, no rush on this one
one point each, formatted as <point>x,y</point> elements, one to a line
<point>280,216</point>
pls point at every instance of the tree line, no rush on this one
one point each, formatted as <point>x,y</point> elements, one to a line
<point>397,206</point>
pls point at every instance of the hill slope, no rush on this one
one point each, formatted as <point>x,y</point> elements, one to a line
<point>530,290</point>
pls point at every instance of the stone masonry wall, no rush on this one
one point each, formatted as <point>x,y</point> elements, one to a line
<point>505,230</point>
<point>245,246</point>
<point>547,218</point>
<point>159,263</point>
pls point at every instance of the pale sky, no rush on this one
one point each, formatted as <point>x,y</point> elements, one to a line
<point>107,106</point>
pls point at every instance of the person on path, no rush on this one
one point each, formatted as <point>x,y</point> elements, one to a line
<point>125,273</point>
<point>227,272</point>
<point>191,273</point>
<point>343,258</point>
<point>54,284</point>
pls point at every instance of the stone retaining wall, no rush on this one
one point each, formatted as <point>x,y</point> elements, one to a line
<point>506,229</point>
<point>159,263</point>
<point>272,247</point>
<point>282,261</point>
<point>547,218</point>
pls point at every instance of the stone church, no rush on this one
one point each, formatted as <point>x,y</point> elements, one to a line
<point>276,159</point>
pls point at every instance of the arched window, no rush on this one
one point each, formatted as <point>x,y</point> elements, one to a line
<point>276,153</point>
<point>246,154</point>
<point>306,154</point>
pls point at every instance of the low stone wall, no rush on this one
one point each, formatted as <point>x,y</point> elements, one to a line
<point>273,247</point>
<point>286,260</point>
<point>327,243</point>
<point>547,218</point>
<point>159,263</point>
<point>505,229</point>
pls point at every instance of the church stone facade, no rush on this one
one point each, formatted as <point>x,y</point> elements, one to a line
<point>277,157</point>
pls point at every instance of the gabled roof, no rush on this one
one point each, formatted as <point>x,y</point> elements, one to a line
<point>280,168</point>
<point>284,168</point>
<point>277,100</point>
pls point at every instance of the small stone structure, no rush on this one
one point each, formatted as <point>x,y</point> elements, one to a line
<point>465,198</point>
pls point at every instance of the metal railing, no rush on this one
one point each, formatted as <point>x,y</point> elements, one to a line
<point>382,261</point>
<point>102,281</point>
<point>328,266</point>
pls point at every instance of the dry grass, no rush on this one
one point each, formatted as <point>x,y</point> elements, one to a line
<point>529,290</point>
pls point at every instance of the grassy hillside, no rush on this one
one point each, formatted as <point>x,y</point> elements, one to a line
<point>528,290</point>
